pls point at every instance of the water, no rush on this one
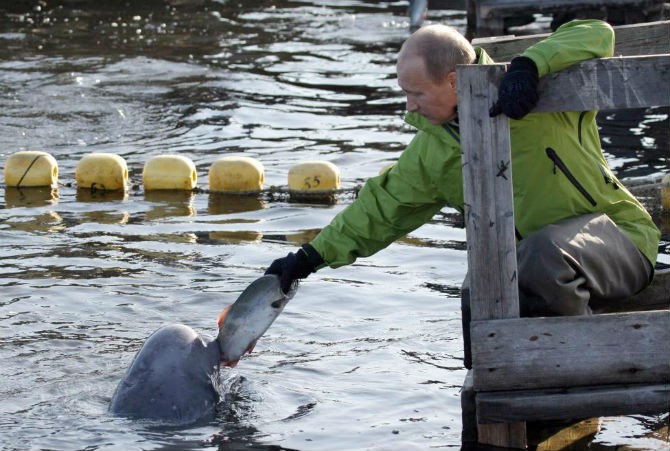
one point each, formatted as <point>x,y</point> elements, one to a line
<point>365,357</point>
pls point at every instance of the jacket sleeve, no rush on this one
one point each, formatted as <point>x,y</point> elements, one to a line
<point>390,205</point>
<point>571,43</point>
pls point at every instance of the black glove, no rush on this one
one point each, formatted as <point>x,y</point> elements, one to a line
<point>517,94</point>
<point>295,266</point>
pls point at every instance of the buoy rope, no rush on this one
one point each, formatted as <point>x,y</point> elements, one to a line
<point>18,185</point>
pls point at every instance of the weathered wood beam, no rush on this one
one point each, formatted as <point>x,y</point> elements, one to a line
<point>489,210</point>
<point>639,39</point>
<point>607,83</point>
<point>489,7</point>
<point>540,405</point>
<point>598,84</point>
<point>489,215</point>
<point>530,353</point>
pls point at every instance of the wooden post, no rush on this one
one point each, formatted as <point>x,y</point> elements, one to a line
<point>489,217</point>
<point>471,14</point>
<point>488,193</point>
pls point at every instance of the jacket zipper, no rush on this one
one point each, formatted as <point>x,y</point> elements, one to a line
<point>606,177</point>
<point>451,132</point>
<point>579,126</point>
<point>558,163</point>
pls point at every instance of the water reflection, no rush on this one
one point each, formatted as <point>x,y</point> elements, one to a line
<point>105,217</point>
<point>302,236</point>
<point>46,222</point>
<point>99,195</point>
<point>167,203</point>
<point>38,196</point>
<point>223,203</point>
<point>234,237</point>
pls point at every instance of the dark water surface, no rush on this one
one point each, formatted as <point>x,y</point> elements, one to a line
<point>365,357</point>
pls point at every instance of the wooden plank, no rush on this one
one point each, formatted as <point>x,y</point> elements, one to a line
<point>487,9</point>
<point>447,4</point>
<point>489,215</point>
<point>508,435</point>
<point>649,38</point>
<point>607,83</point>
<point>597,84</point>
<point>541,405</point>
<point>504,435</point>
<point>468,412</point>
<point>529,353</point>
<point>639,39</point>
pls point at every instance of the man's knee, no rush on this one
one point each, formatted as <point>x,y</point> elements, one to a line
<point>550,282</point>
<point>538,258</point>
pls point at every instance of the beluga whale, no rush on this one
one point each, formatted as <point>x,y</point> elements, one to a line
<point>173,378</point>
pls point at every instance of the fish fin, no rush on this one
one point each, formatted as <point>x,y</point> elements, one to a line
<point>251,347</point>
<point>222,316</point>
<point>230,364</point>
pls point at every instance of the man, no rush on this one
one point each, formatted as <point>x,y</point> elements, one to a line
<point>583,238</point>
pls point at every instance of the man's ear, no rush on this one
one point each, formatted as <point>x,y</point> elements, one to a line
<point>451,79</point>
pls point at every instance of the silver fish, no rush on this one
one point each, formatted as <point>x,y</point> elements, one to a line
<point>246,320</point>
<point>174,376</point>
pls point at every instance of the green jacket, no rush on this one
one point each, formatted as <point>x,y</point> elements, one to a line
<point>558,169</point>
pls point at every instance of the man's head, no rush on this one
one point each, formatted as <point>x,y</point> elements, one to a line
<point>426,70</point>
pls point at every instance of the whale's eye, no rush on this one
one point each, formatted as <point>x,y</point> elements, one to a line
<point>276,304</point>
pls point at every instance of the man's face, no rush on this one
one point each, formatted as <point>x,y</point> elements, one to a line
<point>435,100</point>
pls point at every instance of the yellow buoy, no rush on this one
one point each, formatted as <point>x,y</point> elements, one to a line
<point>236,175</point>
<point>102,171</point>
<point>31,168</point>
<point>173,172</point>
<point>665,192</point>
<point>313,179</point>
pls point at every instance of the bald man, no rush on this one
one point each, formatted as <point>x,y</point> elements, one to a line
<point>583,239</point>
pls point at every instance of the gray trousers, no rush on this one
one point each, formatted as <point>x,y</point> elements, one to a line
<point>571,268</point>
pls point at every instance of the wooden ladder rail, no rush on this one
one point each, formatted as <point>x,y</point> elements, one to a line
<point>648,38</point>
<point>633,354</point>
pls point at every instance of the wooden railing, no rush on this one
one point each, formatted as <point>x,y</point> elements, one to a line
<point>488,17</point>
<point>536,368</point>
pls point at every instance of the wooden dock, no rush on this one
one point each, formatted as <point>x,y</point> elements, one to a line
<point>494,17</point>
<point>529,369</point>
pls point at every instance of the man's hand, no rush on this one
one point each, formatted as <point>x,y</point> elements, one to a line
<point>295,266</point>
<point>517,94</point>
